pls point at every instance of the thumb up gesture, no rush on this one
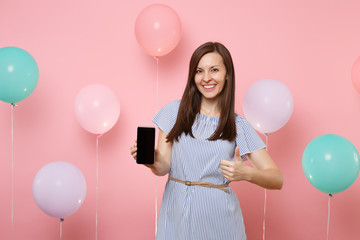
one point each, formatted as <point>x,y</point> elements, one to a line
<point>235,170</point>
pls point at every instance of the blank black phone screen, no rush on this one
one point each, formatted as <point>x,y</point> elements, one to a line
<point>145,145</point>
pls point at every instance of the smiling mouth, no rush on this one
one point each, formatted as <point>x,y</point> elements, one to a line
<point>209,86</point>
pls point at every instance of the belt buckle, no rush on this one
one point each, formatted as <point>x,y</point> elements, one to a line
<point>188,183</point>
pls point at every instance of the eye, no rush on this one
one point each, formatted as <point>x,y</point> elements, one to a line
<point>198,71</point>
<point>215,70</point>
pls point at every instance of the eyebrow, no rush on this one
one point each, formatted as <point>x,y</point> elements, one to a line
<point>211,66</point>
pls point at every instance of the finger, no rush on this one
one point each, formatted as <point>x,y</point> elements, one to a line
<point>237,156</point>
<point>225,172</point>
<point>133,150</point>
<point>133,146</point>
<point>226,163</point>
<point>135,143</point>
<point>226,175</point>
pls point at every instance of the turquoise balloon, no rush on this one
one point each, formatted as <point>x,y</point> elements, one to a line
<point>331,163</point>
<point>19,74</point>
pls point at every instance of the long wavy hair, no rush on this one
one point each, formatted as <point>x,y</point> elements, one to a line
<point>191,100</point>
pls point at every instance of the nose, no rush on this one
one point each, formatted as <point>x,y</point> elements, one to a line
<point>207,76</point>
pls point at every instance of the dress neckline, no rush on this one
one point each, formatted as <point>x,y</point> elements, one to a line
<point>206,117</point>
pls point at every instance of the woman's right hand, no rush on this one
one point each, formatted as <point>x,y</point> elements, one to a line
<point>133,150</point>
<point>162,162</point>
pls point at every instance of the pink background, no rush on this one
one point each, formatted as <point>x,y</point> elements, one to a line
<point>308,45</point>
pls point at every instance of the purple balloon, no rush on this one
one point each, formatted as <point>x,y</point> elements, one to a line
<point>268,105</point>
<point>59,189</point>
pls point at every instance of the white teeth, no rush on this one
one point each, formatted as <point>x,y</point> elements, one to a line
<point>209,86</point>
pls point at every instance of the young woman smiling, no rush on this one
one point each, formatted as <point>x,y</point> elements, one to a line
<point>202,144</point>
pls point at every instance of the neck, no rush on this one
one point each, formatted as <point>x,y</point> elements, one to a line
<point>210,108</point>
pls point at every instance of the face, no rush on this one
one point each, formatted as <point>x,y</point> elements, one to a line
<point>210,75</point>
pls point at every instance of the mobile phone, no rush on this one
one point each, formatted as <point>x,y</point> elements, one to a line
<point>145,145</point>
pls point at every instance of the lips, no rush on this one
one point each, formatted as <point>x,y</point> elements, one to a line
<point>209,87</point>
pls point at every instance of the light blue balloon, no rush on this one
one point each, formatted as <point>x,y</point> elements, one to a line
<point>331,163</point>
<point>19,74</point>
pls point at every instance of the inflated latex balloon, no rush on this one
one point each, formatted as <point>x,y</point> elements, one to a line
<point>268,105</point>
<point>97,108</point>
<point>59,189</point>
<point>19,74</point>
<point>331,163</point>
<point>158,29</point>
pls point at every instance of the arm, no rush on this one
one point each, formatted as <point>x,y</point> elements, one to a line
<point>162,162</point>
<point>264,172</point>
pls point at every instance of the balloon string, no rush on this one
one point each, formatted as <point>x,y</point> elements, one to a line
<point>97,185</point>
<point>157,82</point>
<point>328,221</point>
<point>264,214</point>
<point>61,221</point>
<point>12,165</point>
<point>267,142</point>
<point>156,108</point>
<point>156,211</point>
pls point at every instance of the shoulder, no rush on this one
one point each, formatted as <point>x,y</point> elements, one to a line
<point>166,117</point>
<point>173,104</point>
<point>171,107</point>
<point>239,120</point>
<point>242,124</point>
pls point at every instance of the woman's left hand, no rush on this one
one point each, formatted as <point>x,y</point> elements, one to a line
<point>235,170</point>
<point>263,172</point>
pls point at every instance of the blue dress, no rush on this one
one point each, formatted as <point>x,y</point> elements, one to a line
<point>195,212</point>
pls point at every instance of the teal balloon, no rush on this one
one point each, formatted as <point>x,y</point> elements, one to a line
<point>331,163</point>
<point>19,74</point>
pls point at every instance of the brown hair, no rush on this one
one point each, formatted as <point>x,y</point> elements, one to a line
<point>191,99</point>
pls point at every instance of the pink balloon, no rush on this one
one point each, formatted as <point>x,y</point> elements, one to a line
<point>59,189</point>
<point>97,108</point>
<point>355,74</point>
<point>268,105</point>
<point>158,29</point>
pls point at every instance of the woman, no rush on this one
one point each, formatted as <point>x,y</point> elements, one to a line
<point>201,145</point>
